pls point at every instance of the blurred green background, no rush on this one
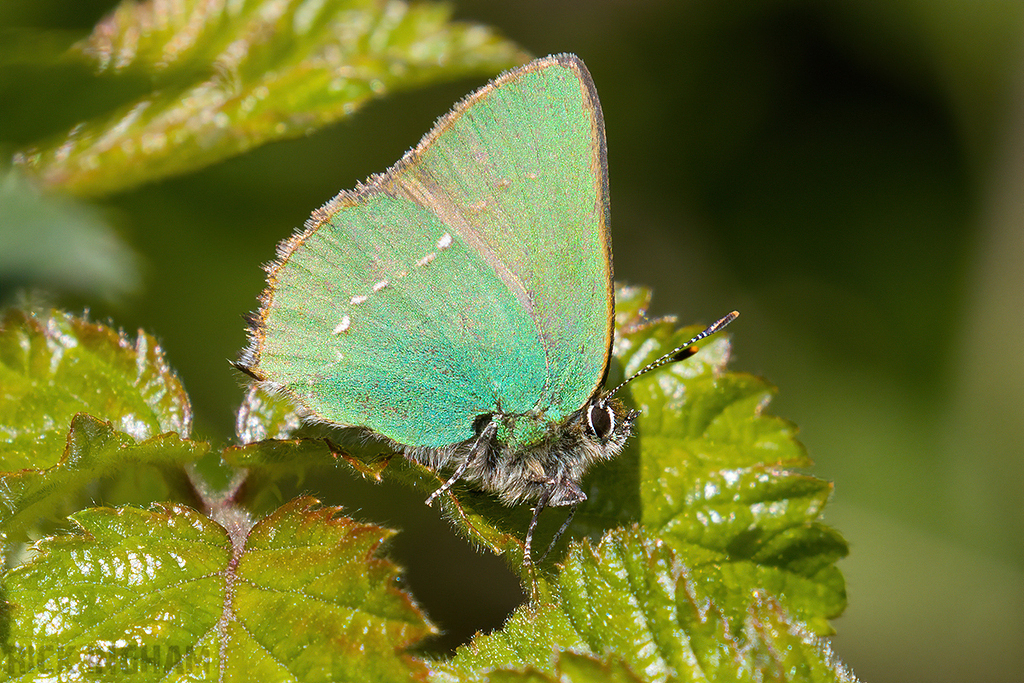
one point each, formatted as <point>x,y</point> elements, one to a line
<point>849,175</point>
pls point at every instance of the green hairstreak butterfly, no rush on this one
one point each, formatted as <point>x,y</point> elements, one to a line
<point>460,304</point>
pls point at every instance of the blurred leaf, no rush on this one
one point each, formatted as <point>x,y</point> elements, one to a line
<point>229,75</point>
<point>633,605</point>
<point>168,594</point>
<point>21,44</point>
<point>58,243</point>
<point>80,402</point>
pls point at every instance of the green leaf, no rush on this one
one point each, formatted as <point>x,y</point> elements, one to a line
<point>717,480</point>
<point>168,594</point>
<point>275,440</point>
<point>95,449</point>
<point>79,402</point>
<point>231,75</point>
<point>631,609</point>
<point>570,667</point>
<point>275,444</point>
<point>265,415</point>
<point>55,366</point>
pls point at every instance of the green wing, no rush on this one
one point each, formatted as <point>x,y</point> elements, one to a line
<point>473,277</point>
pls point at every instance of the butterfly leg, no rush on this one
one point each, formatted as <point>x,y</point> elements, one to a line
<point>555,494</point>
<point>480,447</point>
<point>542,503</point>
<point>561,530</point>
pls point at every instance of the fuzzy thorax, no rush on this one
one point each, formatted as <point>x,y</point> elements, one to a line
<point>554,465</point>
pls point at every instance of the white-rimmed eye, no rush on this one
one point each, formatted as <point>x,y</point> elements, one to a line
<point>601,419</point>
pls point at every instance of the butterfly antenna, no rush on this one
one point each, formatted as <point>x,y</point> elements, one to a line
<point>677,353</point>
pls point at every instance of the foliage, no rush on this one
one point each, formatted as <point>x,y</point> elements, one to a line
<point>713,562</point>
<point>699,555</point>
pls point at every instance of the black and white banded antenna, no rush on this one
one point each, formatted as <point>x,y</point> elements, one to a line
<point>677,354</point>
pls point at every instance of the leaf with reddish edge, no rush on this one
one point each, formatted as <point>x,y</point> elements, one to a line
<point>300,595</point>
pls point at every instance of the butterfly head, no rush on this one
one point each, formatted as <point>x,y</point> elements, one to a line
<point>596,432</point>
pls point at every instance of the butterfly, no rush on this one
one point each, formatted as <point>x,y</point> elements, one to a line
<point>460,305</point>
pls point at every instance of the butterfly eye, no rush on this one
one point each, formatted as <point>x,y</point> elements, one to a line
<point>601,419</point>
